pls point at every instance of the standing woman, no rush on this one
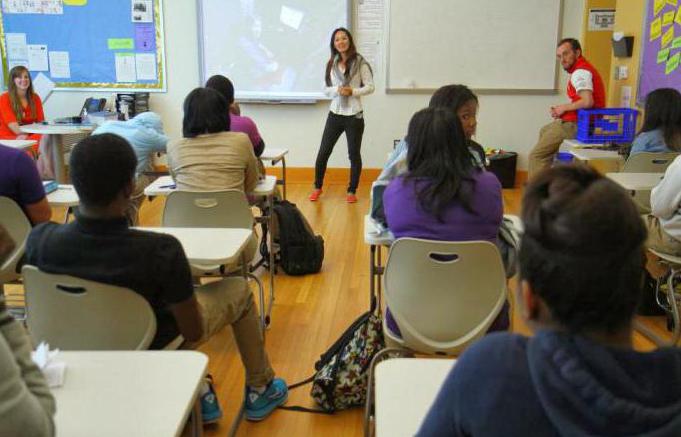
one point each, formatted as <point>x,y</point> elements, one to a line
<point>19,105</point>
<point>348,76</point>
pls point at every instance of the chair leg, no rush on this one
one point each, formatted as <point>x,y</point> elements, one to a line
<point>264,318</point>
<point>239,417</point>
<point>369,404</point>
<point>673,304</point>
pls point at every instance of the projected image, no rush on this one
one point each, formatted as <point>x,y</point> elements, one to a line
<point>270,48</point>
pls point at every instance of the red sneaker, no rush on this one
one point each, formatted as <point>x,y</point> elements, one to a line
<point>351,198</point>
<point>315,194</point>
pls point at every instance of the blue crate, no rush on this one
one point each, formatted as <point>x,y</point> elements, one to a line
<point>607,125</point>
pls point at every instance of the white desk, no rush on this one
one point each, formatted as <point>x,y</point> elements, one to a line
<point>165,185</point>
<point>65,195</point>
<point>19,144</point>
<point>208,245</point>
<point>56,134</point>
<point>276,155</point>
<point>589,152</point>
<point>636,181</point>
<point>405,390</point>
<point>129,393</point>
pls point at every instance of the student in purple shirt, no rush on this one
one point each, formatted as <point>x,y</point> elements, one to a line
<point>443,196</point>
<point>237,123</point>
<point>20,181</point>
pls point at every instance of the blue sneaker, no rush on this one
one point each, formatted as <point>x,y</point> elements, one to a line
<point>210,407</point>
<point>259,406</point>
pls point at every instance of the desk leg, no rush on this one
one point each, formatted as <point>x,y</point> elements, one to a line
<point>69,211</point>
<point>270,221</point>
<point>379,275</point>
<point>195,419</point>
<point>372,273</point>
<point>283,174</point>
<point>57,149</point>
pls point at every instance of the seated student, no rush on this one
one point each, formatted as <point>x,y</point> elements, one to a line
<point>581,268</point>
<point>661,131</point>
<point>464,103</point>
<point>664,220</point>
<point>443,196</point>
<point>238,123</point>
<point>210,157</point>
<point>145,134</point>
<point>100,246</point>
<point>26,405</point>
<point>20,181</point>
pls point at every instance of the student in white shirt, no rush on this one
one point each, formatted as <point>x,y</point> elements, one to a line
<point>348,77</point>
<point>664,221</point>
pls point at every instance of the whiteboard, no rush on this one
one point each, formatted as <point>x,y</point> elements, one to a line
<point>495,45</point>
<point>270,49</point>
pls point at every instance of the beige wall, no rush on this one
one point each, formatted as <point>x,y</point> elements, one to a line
<point>597,44</point>
<point>629,19</point>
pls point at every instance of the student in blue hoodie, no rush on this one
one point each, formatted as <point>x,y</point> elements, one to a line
<point>145,134</point>
<point>581,266</point>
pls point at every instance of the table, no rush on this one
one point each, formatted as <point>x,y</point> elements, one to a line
<point>208,245</point>
<point>19,144</point>
<point>65,195</point>
<point>56,134</point>
<point>129,393</point>
<point>165,185</point>
<point>405,390</point>
<point>276,155</point>
<point>591,152</point>
<point>636,181</point>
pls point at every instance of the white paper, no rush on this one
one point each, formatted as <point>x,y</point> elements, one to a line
<point>291,17</point>
<point>601,19</point>
<point>17,62</point>
<point>43,86</point>
<point>145,63</point>
<point>142,11</point>
<point>125,67</point>
<point>37,57</point>
<point>370,49</point>
<point>370,15</point>
<point>48,361</point>
<point>16,46</point>
<point>625,97</point>
<point>60,67</point>
<point>33,6</point>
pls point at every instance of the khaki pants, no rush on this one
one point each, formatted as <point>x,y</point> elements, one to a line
<point>550,138</point>
<point>660,240</point>
<point>136,199</point>
<point>230,302</point>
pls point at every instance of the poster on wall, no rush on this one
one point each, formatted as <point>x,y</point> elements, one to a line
<point>661,48</point>
<point>601,20</point>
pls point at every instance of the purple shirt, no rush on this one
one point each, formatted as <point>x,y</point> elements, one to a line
<point>406,218</point>
<point>19,178</point>
<point>247,126</point>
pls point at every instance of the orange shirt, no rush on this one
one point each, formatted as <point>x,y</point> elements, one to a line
<point>8,116</point>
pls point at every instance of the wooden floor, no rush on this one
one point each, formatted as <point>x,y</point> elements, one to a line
<point>310,313</point>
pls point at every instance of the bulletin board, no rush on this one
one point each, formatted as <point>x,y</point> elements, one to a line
<point>86,44</point>
<point>661,47</point>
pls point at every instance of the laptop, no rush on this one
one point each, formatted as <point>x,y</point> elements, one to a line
<point>91,105</point>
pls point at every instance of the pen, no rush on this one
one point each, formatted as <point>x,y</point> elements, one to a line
<point>172,186</point>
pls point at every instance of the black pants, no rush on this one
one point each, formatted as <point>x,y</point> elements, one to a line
<point>353,126</point>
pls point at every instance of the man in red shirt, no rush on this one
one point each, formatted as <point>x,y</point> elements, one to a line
<point>585,90</point>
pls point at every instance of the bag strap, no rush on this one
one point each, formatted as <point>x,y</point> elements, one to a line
<point>300,409</point>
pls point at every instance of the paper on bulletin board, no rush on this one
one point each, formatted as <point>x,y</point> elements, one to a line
<point>60,67</point>
<point>145,64</point>
<point>659,5</point>
<point>16,46</point>
<point>370,15</point>
<point>668,18</point>
<point>656,29</point>
<point>145,37</point>
<point>672,63</point>
<point>125,67</point>
<point>601,19</point>
<point>54,7</point>
<point>43,86</point>
<point>37,57</point>
<point>75,2</point>
<point>120,43</point>
<point>142,11</point>
<point>662,56</point>
<point>667,37</point>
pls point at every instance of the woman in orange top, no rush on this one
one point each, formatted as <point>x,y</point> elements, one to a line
<point>19,106</point>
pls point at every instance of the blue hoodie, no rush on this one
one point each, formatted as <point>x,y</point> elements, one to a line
<point>145,134</point>
<point>558,384</point>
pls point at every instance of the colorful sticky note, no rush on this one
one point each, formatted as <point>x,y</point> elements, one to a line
<point>662,56</point>
<point>678,16</point>
<point>659,5</point>
<point>668,18</point>
<point>121,43</point>
<point>655,29</point>
<point>672,2</point>
<point>672,63</point>
<point>667,37</point>
<point>75,2</point>
<point>676,44</point>
<point>145,37</point>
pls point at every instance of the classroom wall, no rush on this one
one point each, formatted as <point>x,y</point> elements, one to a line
<point>511,121</point>
<point>629,19</point>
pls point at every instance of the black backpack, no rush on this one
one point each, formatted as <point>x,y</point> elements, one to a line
<point>300,250</point>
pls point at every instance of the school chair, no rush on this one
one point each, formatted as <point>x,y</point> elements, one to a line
<point>216,209</point>
<point>442,295</point>
<point>71,313</point>
<point>18,227</point>
<point>647,162</point>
